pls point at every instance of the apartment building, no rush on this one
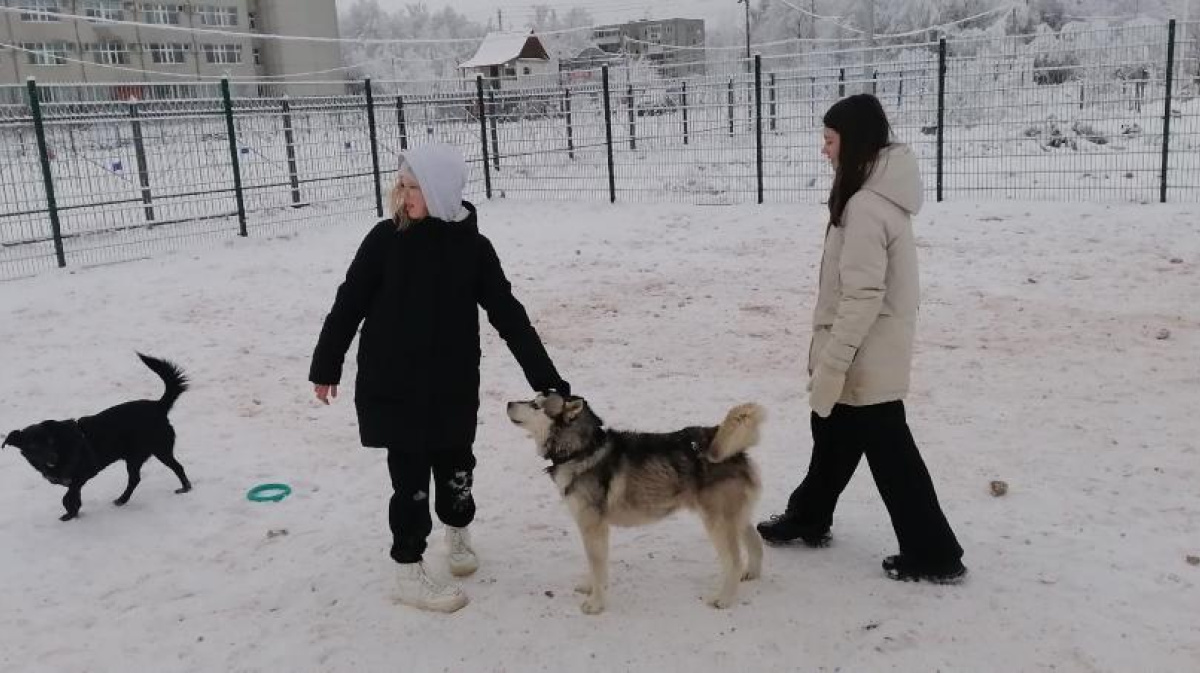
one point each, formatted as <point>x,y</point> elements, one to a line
<point>76,41</point>
<point>675,46</point>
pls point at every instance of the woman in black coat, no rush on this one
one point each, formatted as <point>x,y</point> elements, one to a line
<point>415,285</point>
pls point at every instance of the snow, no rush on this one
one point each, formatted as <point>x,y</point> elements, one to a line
<point>1058,350</point>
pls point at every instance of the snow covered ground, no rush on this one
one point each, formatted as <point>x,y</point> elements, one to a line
<point>1058,350</point>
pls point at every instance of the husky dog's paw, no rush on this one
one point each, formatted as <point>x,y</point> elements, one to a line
<point>720,602</point>
<point>592,606</point>
<point>751,574</point>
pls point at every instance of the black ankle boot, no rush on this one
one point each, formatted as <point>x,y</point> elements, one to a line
<point>787,527</point>
<point>899,568</point>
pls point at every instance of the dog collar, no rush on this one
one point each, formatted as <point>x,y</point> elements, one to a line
<point>597,438</point>
<point>555,462</point>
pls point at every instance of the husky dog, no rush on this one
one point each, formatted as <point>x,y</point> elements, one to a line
<point>69,453</point>
<point>615,478</point>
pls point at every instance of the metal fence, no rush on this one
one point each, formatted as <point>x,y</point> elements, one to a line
<point>1089,115</point>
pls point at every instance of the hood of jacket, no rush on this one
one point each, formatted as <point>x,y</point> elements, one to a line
<point>442,175</point>
<point>897,178</point>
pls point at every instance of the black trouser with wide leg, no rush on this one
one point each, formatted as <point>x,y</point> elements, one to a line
<point>408,513</point>
<point>881,432</point>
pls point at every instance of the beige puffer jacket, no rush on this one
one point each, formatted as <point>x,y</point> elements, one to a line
<point>866,310</point>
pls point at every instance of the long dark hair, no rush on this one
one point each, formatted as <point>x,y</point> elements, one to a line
<point>863,129</point>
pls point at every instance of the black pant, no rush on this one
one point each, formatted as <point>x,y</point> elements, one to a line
<point>881,432</point>
<point>408,512</point>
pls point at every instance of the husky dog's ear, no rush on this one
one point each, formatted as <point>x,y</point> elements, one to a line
<point>573,407</point>
<point>12,438</point>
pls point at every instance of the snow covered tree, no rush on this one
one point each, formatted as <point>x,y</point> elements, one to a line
<point>365,19</point>
<point>547,19</point>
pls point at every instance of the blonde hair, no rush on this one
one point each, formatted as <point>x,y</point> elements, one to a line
<point>396,199</point>
<point>396,206</point>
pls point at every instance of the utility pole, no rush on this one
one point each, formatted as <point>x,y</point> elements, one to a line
<point>812,24</point>
<point>747,3</point>
<point>870,37</point>
<point>1187,14</point>
<point>500,18</point>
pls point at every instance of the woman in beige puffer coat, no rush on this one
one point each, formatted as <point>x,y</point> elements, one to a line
<point>861,351</point>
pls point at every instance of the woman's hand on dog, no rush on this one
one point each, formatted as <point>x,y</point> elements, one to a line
<point>325,392</point>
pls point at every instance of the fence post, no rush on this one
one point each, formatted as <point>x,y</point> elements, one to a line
<point>632,121</point>
<point>774,118</point>
<point>758,122</point>
<point>941,116</point>
<point>495,133</point>
<point>1166,141</point>
<point>570,126</point>
<point>812,100</point>
<point>374,146</point>
<point>608,136</point>
<point>841,83</point>
<point>875,82</point>
<point>730,96</point>
<point>900,92</point>
<point>39,129</point>
<point>231,132</point>
<point>289,139</point>
<point>685,113</point>
<point>402,122</point>
<point>139,150</point>
<point>483,146</point>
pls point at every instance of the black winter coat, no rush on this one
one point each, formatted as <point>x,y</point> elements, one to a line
<point>416,293</point>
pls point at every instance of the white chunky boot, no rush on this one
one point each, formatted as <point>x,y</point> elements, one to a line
<point>418,589</point>
<point>463,560</point>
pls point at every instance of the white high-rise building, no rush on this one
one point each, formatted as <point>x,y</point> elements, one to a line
<point>148,57</point>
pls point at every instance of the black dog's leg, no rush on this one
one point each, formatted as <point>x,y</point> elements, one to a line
<point>71,501</point>
<point>135,477</point>
<point>167,457</point>
<point>170,462</point>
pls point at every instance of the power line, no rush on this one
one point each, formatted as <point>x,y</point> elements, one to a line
<point>595,9</point>
<point>740,47</point>
<point>272,36</point>
<point>910,33</point>
<point>603,6</point>
<point>835,20</point>
<point>193,76</point>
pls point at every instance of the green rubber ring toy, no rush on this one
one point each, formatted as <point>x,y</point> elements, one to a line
<point>269,493</point>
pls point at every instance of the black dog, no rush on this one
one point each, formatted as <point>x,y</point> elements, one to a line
<point>70,453</point>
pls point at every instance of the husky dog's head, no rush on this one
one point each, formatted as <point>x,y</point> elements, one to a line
<point>560,426</point>
<point>48,447</point>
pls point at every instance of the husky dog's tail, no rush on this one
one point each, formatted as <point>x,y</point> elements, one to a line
<point>171,375</point>
<point>738,432</point>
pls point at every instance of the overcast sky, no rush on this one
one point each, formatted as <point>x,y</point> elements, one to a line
<point>518,12</point>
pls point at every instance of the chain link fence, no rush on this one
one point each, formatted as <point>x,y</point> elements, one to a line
<point>109,172</point>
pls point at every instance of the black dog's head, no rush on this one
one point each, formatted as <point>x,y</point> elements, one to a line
<point>50,447</point>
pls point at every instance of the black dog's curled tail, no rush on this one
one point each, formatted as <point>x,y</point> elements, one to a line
<point>171,375</point>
